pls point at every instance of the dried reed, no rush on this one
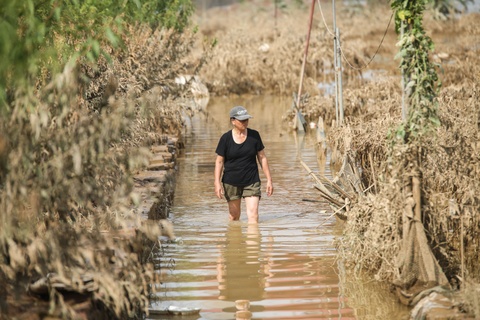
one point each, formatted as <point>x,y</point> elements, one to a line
<point>68,154</point>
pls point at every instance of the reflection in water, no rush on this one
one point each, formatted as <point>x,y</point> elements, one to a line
<point>368,298</point>
<point>240,269</point>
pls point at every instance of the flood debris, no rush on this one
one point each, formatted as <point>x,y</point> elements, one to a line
<point>175,311</point>
<point>338,192</point>
<point>411,215</point>
<point>436,303</point>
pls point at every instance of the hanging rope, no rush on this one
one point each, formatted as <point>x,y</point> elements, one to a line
<point>323,19</point>
<point>341,49</point>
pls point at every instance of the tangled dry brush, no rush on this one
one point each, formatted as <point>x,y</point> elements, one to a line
<point>67,186</point>
<point>450,165</point>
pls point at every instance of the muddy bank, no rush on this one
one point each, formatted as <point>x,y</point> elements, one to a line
<point>154,187</point>
<point>75,176</point>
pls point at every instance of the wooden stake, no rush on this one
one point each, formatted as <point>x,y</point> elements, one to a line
<point>302,72</point>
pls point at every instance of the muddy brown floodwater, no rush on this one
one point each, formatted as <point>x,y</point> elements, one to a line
<point>285,266</point>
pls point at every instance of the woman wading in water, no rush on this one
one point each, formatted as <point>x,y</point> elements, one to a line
<point>237,154</point>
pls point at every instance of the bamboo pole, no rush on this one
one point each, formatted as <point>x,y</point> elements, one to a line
<point>302,72</point>
<point>462,252</point>
<point>310,172</point>
<point>321,187</point>
<point>275,14</point>
<point>404,106</point>
<point>417,196</point>
<point>328,196</point>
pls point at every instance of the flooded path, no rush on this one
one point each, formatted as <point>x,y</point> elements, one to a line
<point>285,266</point>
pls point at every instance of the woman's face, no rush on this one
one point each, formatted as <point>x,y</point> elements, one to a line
<point>240,124</point>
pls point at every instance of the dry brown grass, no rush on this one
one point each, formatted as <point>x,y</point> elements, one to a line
<point>66,193</point>
<point>241,64</point>
<point>450,165</point>
<point>255,56</point>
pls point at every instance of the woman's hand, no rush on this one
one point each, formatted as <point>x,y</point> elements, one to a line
<point>218,190</point>
<point>269,188</point>
<point>262,158</point>
<point>219,161</point>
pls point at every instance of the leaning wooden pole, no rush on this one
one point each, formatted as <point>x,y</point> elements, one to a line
<point>302,72</point>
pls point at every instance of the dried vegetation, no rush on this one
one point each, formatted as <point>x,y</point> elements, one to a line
<point>66,168</point>
<point>450,161</point>
<point>68,154</point>
<point>257,54</point>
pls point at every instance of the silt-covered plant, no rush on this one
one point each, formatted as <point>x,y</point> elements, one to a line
<point>73,129</point>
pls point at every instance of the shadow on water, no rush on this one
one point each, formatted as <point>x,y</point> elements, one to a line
<point>285,267</point>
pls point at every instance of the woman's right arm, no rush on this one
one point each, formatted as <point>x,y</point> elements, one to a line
<point>218,173</point>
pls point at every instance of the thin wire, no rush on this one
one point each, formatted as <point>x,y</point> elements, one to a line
<point>341,49</point>
<point>373,57</point>
<point>323,18</point>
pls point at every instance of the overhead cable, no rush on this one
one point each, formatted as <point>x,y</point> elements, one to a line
<point>342,50</point>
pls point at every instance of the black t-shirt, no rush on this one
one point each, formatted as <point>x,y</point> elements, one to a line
<point>240,166</point>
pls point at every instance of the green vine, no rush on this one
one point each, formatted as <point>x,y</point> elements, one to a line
<point>421,79</point>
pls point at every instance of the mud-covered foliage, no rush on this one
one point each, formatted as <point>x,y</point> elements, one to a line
<point>258,53</point>
<point>71,138</point>
<point>449,161</point>
<point>373,232</point>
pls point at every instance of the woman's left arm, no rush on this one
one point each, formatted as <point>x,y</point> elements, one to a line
<point>262,159</point>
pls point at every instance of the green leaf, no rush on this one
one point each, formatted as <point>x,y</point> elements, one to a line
<point>95,48</point>
<point>402,15</point>
<point>112,37</point>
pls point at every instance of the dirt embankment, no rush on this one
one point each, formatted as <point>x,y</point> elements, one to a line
<point>97,148</point>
